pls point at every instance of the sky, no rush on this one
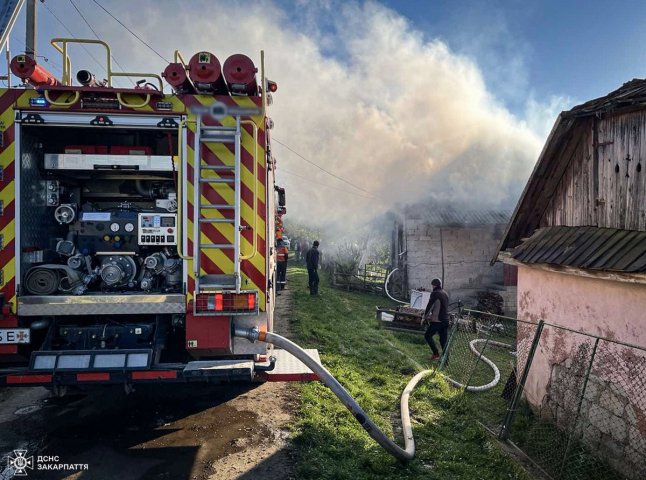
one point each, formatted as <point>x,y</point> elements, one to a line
<point>406,101</point>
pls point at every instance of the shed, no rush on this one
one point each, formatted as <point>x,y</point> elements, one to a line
<point>578,238</point>
<point>455,245</point>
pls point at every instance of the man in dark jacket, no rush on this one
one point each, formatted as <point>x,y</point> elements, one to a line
<point>436,316</point>
<point>312,258</point>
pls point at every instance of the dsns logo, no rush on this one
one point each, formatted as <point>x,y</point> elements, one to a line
<point>21,462</point>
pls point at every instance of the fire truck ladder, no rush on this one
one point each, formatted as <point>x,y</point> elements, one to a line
<point>220,134</point>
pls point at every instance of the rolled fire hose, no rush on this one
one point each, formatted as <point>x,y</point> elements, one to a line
<point>406,453</point>
<point>494,367</point>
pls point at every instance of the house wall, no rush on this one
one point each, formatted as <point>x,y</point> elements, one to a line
<point>467,252</point>
<point>612,416</point>
<point>605,181</point>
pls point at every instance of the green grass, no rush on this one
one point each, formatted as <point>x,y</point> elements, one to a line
<point>374,365</point>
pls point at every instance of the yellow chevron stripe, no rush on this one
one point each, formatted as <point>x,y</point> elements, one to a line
<point>226,191</point>
<point>6,117</point>
<point>8,233</point>
<point>247,177</point>
<point>246,212</point>
<point>218,257</point>
<point>23,100</point>
<point>7,156</point>
<point>9,272</point>
<point>7,194</point>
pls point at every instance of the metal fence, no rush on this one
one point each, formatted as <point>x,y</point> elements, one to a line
<point>573,403</point>
<point>370,278</point>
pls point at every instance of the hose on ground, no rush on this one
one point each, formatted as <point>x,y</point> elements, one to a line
<point>406,453</point>
<point>386,288</point>
<point>494,367</point>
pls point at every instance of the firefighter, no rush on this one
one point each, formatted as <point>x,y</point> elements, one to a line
<point>282,254</point>
<point>312,258</point>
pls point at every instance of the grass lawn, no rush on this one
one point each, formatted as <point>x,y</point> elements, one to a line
<point>374,365</point>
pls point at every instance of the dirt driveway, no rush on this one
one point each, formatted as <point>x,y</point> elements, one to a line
<point>176,432</point>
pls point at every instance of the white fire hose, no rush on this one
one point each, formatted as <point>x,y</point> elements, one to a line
<point>386,287</point>
<point>494,367</point>
<point>406,453</point>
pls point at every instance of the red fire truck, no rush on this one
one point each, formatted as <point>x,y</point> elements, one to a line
<point>137,226</point>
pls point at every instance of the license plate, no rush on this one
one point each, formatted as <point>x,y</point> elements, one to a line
<point>14,335</point>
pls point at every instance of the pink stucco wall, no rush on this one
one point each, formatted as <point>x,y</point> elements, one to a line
<point>609,309</point>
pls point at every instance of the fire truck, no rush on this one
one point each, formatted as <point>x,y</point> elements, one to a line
<point>137,226</point>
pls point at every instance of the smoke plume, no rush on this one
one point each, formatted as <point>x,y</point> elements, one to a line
<point>362,94</point>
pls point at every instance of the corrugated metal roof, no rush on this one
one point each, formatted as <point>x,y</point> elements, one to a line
<point>457,217</point>
<point>586,247</point>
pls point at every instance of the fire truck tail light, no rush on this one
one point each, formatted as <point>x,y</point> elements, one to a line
<point>219,302</point>
<point>226,302</point>
<point>251,301</point>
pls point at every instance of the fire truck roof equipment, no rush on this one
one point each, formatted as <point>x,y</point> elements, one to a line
<point>205,71</point>
<point>28,70</point>
<point>240,74</point>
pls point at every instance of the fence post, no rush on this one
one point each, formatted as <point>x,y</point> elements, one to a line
<point>578,409</point>
<point>365,276</point>
<point>511,411</point>
<point>445,353</point>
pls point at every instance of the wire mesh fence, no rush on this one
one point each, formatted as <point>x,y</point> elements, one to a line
<point>574,403</point>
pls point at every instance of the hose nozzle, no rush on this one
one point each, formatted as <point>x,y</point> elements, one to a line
<point>88,79</point>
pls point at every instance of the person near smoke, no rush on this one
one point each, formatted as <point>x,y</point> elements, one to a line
<point>282,255</point>
<point>436,317</point>
<point>312,258</point>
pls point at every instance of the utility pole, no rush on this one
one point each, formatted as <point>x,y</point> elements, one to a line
<point>30,30</point>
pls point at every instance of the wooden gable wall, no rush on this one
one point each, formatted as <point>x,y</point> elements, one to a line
<point>604,183</point>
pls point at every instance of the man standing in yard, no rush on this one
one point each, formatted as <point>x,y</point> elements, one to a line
<point>436,317</point>
<point>312,258</point>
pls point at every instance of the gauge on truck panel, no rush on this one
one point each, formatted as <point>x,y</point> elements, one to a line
<point>157,229</point>
<point>114,227</point>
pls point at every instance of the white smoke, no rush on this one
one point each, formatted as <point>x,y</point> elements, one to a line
<point>365,96</point>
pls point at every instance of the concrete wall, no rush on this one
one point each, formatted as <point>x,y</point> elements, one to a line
<point>467,253</point>
<point>612,419</point>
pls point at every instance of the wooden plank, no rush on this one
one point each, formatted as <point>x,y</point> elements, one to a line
<point>595,171</point>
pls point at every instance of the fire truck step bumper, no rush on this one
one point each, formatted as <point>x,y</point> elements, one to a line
<point>291,369</point>
<point>219,370</point>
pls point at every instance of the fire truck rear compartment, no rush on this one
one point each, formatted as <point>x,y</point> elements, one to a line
<point>98,234</point>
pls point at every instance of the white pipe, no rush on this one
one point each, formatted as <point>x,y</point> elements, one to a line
<point>406,453</point>
<point>386,288</point>
<point>496,371</point>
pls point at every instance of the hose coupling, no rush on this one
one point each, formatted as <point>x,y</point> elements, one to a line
<point>250,334</point>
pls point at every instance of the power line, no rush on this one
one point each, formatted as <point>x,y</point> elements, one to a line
<point>131,32</point>
<point>97,37</point>
<point>74,37</point>
<point>84,19</point>
<point>321,168</point>
<point>324,185</point>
